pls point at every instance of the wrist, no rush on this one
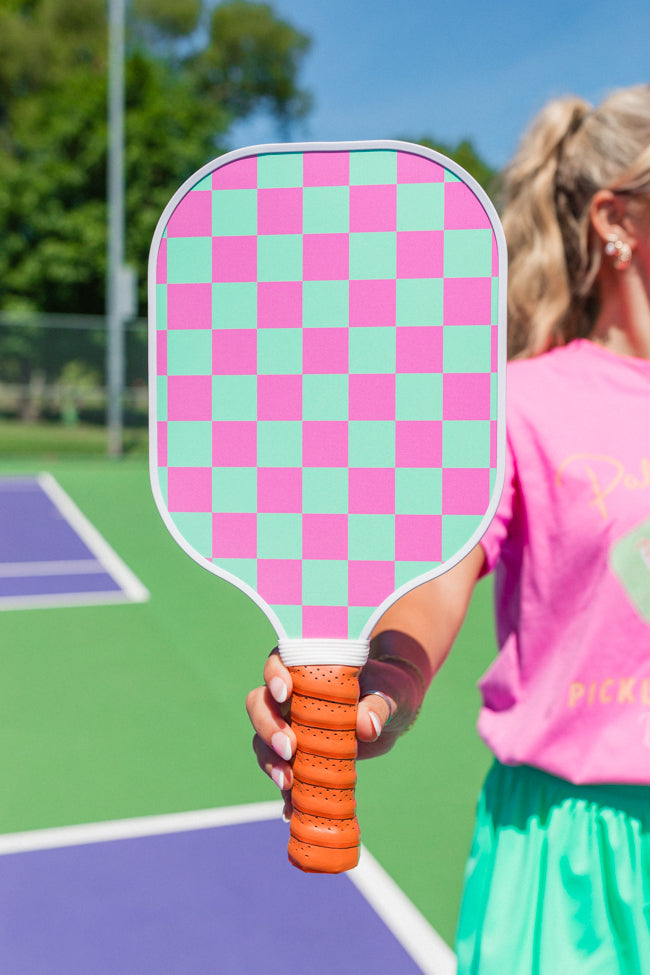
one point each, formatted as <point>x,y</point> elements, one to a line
<point>399,669</point>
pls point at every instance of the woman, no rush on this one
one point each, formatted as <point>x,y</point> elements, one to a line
<point>559,873</point>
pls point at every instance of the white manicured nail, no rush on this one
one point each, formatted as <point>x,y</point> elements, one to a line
<point>281,745</point>
<point>376,723</point>
<point>278,777</point>
<point>278,689</point>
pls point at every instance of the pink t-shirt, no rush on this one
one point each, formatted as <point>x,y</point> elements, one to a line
<point>570,689</point>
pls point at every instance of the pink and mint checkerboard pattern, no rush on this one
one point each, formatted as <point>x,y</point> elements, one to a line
<point>327,375</point>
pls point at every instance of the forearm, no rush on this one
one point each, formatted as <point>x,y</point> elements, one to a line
<point>412,640</point>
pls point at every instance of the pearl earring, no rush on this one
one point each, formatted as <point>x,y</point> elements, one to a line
<point>620,250</point>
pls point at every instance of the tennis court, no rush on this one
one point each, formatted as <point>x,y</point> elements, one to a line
<point>51,554</point>
<point>134,819</point>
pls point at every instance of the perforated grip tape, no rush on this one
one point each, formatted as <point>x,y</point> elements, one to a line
<point>324,827</point>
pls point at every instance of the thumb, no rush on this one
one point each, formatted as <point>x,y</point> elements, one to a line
<point>374,713</point>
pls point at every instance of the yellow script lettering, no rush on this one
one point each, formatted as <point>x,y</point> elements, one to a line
<point>602,484</point>
<point>604,474</point>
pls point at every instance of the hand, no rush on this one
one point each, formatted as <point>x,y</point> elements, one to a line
<point>407,647</point>
<point>275,743</point>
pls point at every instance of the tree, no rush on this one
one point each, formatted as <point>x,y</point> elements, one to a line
<point>192,69</point>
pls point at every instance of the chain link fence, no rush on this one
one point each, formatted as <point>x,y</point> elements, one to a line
<point>52,367</point>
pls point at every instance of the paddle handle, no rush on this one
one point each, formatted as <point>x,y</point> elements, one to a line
<point>324,828</point>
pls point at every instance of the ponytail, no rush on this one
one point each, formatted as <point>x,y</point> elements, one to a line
<point>539,291</point>
<point>568,154</point>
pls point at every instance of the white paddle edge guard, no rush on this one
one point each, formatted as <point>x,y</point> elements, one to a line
<point>495,221</point>
<point>314,651</point>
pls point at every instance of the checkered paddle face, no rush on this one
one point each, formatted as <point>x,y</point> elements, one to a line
<point>327,375</point>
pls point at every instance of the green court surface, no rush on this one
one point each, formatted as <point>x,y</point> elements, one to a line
<point>131,710</point>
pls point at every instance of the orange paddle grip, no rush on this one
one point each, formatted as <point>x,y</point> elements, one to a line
<point>324,828</point>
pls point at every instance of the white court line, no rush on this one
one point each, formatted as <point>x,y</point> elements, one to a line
<point>97,544</point>
<point>125,829</point>
<point>105,560</point>
<point>64,600</point>
<point>70,567</point>
<point>401,917</point>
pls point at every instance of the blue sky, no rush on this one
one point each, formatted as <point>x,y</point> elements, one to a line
<point>380,69</point>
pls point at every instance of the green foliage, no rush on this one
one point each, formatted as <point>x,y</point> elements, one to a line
<point>41,40</point>
<point>52,207</point>
<point>192,69</point>
<point>77,375</point>
<point>28,347</point>
<point>251,61</point>
<point>169,19</point>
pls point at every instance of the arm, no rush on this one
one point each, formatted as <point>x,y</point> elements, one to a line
<point>407,648</point>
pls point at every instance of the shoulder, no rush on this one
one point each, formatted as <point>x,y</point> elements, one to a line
<point>549,381</point>
<point>558,362</point>
<point>576,373</point>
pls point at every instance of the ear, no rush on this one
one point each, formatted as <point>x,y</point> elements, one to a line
<point>610,218</point>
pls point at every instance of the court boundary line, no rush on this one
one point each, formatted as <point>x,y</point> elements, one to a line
<point>65,600</point>
<point>58,567</point>
<point>131,589</point>
<point>400,915</point>
<point>411,929</point>
<point>95,541</point>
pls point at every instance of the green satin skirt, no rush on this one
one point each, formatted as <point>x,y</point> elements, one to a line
<point>558,879</point>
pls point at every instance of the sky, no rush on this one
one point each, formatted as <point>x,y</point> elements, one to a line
<point>382,69</point>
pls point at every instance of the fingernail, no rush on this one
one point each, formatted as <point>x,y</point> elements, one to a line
<point>376,723</point>
<point>278,689</point>
<point>286,818</point>
<point>278,777</point>
<point>281,745</point>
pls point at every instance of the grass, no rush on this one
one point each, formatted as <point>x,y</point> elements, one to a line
<point>52,440</point>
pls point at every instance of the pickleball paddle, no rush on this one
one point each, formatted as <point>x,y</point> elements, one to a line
<point>327,358</point>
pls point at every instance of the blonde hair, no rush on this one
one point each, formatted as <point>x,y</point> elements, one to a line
<point>569,153</point>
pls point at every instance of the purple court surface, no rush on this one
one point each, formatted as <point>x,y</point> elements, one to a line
<point>208,893</point>
<point>51,555</point>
